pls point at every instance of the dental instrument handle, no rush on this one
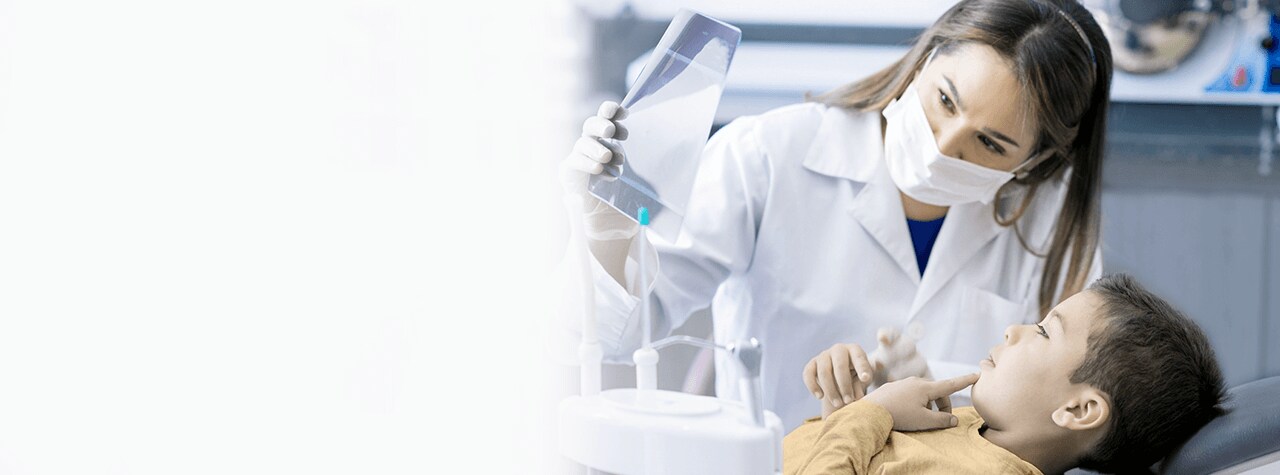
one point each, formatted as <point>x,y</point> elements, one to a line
<point>751,397</point>
<point>645,358</point>
<point>748,353</point>
<point>642,217</point>
<point>590,354</point>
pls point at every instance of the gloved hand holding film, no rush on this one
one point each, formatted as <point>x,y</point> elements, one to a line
<point>599,146</point>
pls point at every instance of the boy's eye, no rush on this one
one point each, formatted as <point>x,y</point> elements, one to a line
<point>1041,331</point>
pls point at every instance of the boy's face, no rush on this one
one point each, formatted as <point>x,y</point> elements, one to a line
<point>1028,376</point>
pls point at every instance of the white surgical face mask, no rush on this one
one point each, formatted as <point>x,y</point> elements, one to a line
<point>921,171</point>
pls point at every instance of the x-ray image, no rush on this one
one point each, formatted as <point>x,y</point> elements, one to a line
<point>670,107</point>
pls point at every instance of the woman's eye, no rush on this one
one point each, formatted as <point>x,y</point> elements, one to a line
<point>991,145</point>
<point>1042,332</point>
<point>946,101</point>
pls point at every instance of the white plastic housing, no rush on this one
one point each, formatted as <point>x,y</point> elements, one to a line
<point>631,432</point>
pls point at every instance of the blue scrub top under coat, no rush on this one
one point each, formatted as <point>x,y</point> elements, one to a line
<point>923,235</point>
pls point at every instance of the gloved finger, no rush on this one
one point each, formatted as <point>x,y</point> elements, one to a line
<point>811,379</point>
<point>827,409</point>
<point>582,163</point>
<point>826,381</point>
<point>943,403</point>
<point>886,336</point>
<point>593,149</point>
<point>596,126</point>
<point>934,420</point>
<point>860,363</point>
<point>841,366</point>
<point>620,131</point>
<point>611,110</point>
<point>619,155</point>
<point>947,387</point>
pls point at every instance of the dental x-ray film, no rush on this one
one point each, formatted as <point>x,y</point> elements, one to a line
<point>670,109</point>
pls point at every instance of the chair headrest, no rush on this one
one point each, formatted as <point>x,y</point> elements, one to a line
<point>1250,429</point>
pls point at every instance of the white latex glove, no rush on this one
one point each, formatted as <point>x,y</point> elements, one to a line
<point>839,375</point>
<point>845,373</point>
<point>908,401</point>
<point>599,145</point>
<point>896,358</point>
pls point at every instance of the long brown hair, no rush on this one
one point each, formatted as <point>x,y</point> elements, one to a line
<point>1069,82</point>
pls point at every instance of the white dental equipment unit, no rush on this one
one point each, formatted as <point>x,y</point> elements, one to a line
<point>645,430</point>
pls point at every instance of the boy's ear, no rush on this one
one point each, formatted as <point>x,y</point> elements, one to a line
<point>1089,409</point>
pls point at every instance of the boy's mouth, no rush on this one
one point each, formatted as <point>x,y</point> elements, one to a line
<point>988,360</point>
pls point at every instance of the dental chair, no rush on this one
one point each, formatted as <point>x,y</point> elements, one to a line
<point>1246,438</point>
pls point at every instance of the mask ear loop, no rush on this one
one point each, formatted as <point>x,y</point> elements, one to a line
<point>916,76</point>
<point>1021,171</point>
<point>929,59</point>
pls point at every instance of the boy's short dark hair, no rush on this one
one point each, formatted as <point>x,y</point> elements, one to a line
<point>1159,370</point>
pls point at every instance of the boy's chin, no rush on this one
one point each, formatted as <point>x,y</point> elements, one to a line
<point>977,393</point>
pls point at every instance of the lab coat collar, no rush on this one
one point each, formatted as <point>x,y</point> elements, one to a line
<point>848,145</point>
<point>968,229</point>
<point>878,208</point>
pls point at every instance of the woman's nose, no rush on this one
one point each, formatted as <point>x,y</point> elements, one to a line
<point>947,132</point>
<point>948,140</point>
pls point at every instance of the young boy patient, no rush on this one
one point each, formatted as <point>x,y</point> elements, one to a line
<point>1111,380</point>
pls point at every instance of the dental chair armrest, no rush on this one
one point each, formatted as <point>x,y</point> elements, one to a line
<point>1247,434</point>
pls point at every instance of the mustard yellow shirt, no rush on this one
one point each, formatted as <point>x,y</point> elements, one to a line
<point>859,439</point>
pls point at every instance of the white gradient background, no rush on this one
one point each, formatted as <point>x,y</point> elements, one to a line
<point>278,236</point>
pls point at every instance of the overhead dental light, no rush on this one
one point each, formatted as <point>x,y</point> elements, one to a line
<point>1152,36</point>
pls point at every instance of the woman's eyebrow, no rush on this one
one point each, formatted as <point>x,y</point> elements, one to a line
<point>955,96</point>
<point>1000,136</point>
<point>1062,326</point>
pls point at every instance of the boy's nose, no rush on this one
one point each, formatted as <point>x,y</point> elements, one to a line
<point>1013,332</point>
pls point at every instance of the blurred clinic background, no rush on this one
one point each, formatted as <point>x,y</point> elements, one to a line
<point>277,236</point>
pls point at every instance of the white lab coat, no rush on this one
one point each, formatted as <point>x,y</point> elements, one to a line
<point>795,235</point>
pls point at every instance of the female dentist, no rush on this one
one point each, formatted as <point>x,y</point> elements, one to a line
<point>955,192</point>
